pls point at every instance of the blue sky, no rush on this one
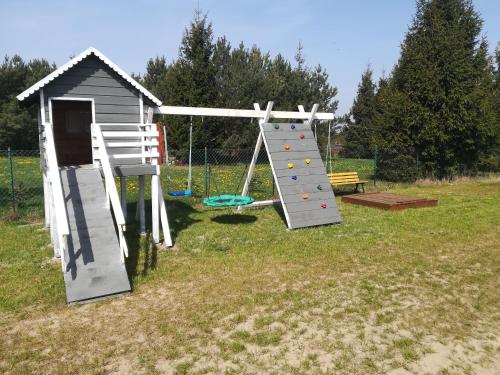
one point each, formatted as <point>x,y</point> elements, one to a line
<point>343,36</point>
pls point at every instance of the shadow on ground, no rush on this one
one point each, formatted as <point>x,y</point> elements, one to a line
<point>143,255</point>
<point>234,219</point>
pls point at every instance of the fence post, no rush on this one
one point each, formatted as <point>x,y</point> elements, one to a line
<point>206,172</point>
<point>375,155</point>
<point>11,179</point>
<point>418,167</point>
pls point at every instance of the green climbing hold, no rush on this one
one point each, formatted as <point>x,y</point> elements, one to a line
<point>276,126</point>
<point>320,187</point>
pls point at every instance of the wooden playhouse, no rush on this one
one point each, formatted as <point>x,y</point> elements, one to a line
<point>96,125</point>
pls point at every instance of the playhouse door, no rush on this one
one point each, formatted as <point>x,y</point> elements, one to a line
<point>72,120</point>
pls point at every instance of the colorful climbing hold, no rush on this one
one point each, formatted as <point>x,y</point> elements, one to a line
<point>294,178</point>
<point>286,146</point>
<point>276,126</point>
<point>292,126</point>
<point>290,165</point>
<point>305,196</point>
<point>323,205</point>
<point>319,187</point>
<point>302,136</point>
<point>308,161</point>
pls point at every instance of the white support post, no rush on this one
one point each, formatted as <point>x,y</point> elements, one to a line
<point>167,238</point>
<point>123,195</point>
<point>141,209</point>
<point>155,183</point>
<point>312,114</point>
<point>46,199</point>
<point>155,209</point>
<point>256,152</point>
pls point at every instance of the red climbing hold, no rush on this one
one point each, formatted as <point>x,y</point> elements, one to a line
<point>323,205</point>
<point>302,136</point>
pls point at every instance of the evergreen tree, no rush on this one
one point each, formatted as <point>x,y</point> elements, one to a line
<point>360,135</point>
<point>442,86</point>
<point>188,81</point>
<point>19,124</point>
<point>217,75</point>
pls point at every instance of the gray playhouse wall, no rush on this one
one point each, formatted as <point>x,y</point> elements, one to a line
<point>116,101</point>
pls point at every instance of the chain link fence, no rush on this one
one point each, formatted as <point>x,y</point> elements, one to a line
<point>21,186</point>
<point>214,172</point>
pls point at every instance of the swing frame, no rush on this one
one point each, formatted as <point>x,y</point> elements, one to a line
<point>263,117</point>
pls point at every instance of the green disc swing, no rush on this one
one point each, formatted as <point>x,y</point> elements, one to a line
<point>227,200</point>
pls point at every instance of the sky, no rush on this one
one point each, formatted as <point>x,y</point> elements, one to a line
<point>343,36</point>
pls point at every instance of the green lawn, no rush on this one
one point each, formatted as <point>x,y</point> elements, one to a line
<point>384,291</point>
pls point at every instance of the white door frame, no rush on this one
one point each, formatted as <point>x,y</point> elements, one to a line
<point>76,99</point>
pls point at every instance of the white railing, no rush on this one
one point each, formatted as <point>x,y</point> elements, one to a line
<point>111,191</point>
<point>143,137</point>
<point>59,205</point>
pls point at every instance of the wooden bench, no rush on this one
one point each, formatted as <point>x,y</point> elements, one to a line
<point>346,178</point>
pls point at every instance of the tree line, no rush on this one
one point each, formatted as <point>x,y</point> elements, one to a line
<point>213,73</point>
<point>438,112</point>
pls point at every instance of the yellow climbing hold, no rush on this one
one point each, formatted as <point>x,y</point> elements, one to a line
<point>308,161</point>
<point>290,165</point>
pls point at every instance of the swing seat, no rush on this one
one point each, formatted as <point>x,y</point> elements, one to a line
<point>185,193</point>
<point>227,200</point>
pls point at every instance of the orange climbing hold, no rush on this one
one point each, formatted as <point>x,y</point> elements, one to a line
<point>305,196</point>
<point>286,146</point>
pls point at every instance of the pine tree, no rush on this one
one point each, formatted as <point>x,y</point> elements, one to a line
<point>19,124</point>
<point>442,83</point>
<point>360,135</point>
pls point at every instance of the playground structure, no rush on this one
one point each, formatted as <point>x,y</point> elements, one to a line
<point>96,124</point>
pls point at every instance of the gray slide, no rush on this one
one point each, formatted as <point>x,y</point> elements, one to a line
<point>305,192</point>
<point>93,261</point>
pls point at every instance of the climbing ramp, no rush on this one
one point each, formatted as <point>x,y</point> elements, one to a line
<point>94,266</point>
<point>305,192</point>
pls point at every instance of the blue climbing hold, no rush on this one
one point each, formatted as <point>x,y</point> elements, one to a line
<point>294,177</point>
<point>292,126</point>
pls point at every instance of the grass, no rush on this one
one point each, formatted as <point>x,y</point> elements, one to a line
<point>416,289</point>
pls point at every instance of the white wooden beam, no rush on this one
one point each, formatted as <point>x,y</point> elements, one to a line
<point>167,238</point>
<point>246,113</point>
<point>312,114</point>
<point>258,146</point>
<point>123,195</point>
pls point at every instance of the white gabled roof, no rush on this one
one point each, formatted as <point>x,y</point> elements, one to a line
<point>37,86</point>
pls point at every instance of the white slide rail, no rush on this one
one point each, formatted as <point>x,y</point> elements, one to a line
<point>111,191</point>
<point>59,205</point>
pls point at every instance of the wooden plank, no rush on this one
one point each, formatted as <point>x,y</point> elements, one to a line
<point>320,206</point>
<point>134,170</point>
<point>93,90</point>
<point>298,164</point>
<point>229,112</point>
<point>89,80</point>
<point>117,109</point>
<point>301,172</point>
<point>388,201</point>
